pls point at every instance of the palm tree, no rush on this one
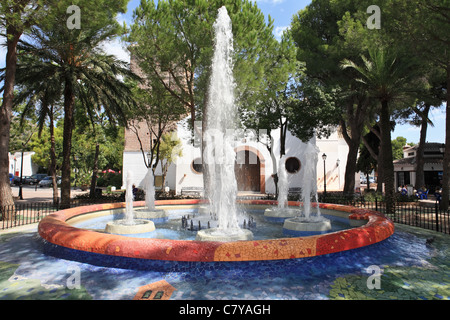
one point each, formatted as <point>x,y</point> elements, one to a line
<point>84,72</point>
<point>42,98</point>
<point>390,81</point>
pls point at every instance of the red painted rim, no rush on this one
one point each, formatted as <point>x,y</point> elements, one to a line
<point>56,230</point>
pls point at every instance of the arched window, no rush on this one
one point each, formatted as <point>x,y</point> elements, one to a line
<point>197,166</point>
<point>292,165</point>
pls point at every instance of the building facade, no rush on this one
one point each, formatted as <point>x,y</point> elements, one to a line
<point>254,168</point>
<point>15,164</point>
<point>405,168</point>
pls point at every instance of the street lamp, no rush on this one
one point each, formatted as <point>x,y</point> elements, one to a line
<point>21,174</point>
<point>324,157</point>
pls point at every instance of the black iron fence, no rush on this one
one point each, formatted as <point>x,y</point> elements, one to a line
<point>26,213</point>
<point>427,215</point>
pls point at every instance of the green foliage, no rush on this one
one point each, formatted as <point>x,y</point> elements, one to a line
<point>170,148</point>
<point>176,37</point>
<point>397,147</point>
<point>41,146</point>
<point>372,195</point>
<point>312,108</point>
<point>110,179</point>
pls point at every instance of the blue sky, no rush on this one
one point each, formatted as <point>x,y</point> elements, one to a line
<point>282,12</point>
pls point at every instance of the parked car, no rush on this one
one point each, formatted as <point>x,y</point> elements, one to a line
<point>16,180</point>
<point>25,180</point>
<point>47,181</point>
<point>35,178</point>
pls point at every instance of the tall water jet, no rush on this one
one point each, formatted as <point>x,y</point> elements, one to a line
<point>219,153</point>
<point>308,223</point>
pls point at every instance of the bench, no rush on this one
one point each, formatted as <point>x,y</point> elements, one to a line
<point>192,190</point>
<point>295,191</point>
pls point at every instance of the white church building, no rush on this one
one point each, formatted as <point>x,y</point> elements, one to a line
<point>254,167</point>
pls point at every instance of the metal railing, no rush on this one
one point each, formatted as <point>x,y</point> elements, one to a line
<point>27,213</point>
<point>413,214</point>
<point>423,215</point>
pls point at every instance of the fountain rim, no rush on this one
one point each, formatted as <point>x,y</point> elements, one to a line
<point>55,229</point>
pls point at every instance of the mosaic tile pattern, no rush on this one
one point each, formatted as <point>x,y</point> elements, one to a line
<point>412,269</point>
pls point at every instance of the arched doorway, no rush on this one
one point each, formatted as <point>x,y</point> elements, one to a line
<point>249,170</point>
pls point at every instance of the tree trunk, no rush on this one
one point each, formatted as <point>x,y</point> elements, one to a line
<point>69,102</point>
<point>380,170</point>
<point>420,177</point>
<point>356,120</point>
<point>6,196</point>
<point>94,171</point>
<point>283,133</point>
<point>350,167</point>
<point>387,164</point>
<point>53,159</point>
<point>446,161</point>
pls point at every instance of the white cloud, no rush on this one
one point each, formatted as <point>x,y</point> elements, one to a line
<point>278,32</point>
<point>116,48</point>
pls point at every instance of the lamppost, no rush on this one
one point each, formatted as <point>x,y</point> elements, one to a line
<point>324,157</point>
<point>21,174</point>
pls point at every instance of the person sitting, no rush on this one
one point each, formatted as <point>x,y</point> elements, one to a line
<point>438,194</point>
<point>422,193</point>
<point>404,191</point>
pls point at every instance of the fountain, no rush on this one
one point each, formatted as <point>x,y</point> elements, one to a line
<point>129,225</point>
<point>219,153</point>
<point>282,211</point>
<point>306,222</point>
<point>114,248</point>
<point>149,211</point>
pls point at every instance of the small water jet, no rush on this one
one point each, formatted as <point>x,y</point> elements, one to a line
<point>307,222</point>
<point>149,211</point>
<point>129,225</point>
<point>219,153</point>
<point>282,211</point>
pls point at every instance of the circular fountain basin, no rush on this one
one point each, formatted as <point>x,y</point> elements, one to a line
<point>123,227</point>
<point>303,226</point>
<point>215,234</point>
<point>156,215</point>
<point>280,214</point>
<point>119,250</point>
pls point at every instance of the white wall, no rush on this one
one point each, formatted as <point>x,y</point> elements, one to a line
<point>335,148</point>
<point>29,168</point>
<point>182,175</point>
